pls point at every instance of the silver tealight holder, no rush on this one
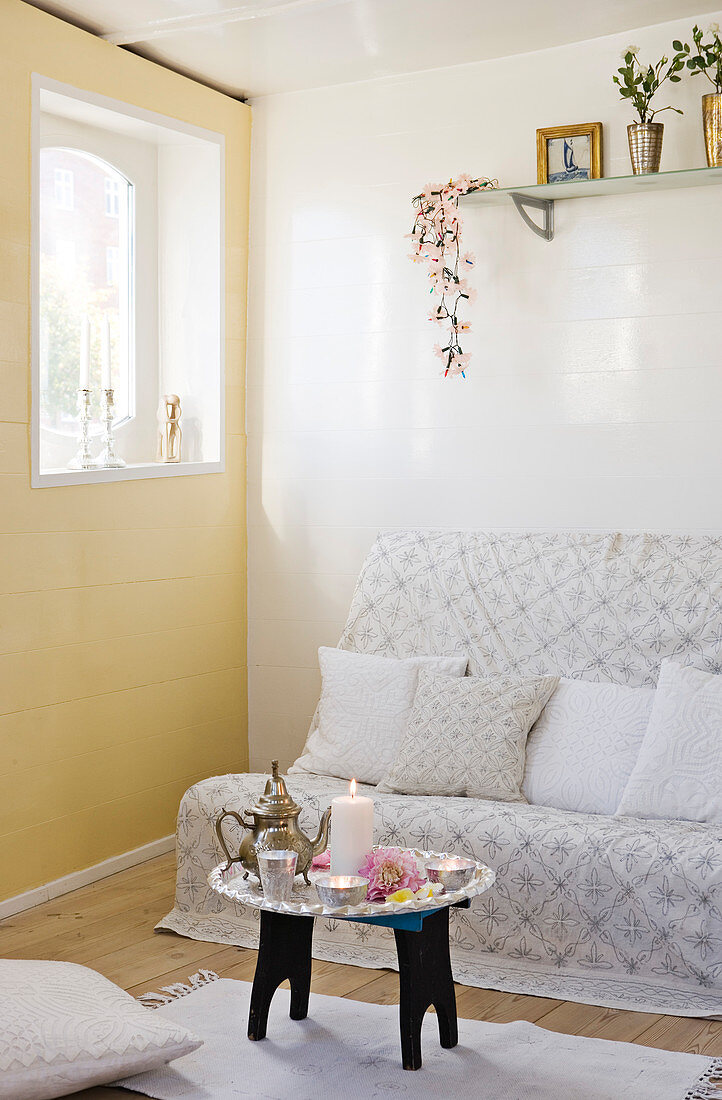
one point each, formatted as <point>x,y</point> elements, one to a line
<point>453,872</point>
<point>337,890</point>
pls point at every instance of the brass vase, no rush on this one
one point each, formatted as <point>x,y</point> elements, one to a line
<point>645,146</point>
<point>712,123</point>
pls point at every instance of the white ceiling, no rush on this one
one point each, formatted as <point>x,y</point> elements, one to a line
<point>265,46</point>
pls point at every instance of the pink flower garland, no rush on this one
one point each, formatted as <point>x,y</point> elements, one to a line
<point>437,238</point>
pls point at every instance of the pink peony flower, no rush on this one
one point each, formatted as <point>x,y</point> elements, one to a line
<point>322,862</point>
<point>388,870</point>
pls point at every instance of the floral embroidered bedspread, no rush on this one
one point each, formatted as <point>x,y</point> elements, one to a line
<point>604,910</point>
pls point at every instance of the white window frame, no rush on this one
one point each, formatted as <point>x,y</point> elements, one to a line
<point>144,122</point>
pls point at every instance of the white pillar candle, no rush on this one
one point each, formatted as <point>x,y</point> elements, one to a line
<point>106,376</point>
<point>352,831</point>
<point>84,353</point>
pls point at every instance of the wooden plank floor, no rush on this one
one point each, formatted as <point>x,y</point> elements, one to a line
<point>109,927</point>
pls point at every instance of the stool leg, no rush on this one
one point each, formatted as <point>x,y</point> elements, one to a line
<point>284,952</point>
<point>301,978</point>
<point>424,980</point>
<point>443,992</point>
<point>448,1026</point>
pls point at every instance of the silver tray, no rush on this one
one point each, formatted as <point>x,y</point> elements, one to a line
<point>304,900</point>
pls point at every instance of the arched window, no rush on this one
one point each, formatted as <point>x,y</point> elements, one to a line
<point>128,289</point>
<point>85,286</point>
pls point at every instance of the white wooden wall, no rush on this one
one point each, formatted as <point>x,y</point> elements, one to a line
<point>594,396</point>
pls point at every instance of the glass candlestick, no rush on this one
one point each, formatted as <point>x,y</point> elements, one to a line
<point>83,459</point>
<point>107,458</point>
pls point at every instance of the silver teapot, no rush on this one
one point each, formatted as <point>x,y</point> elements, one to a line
<point>274,825</point>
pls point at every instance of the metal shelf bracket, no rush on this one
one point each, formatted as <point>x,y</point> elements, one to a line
<point>545,231</point>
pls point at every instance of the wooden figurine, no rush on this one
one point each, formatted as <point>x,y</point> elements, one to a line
<point>169,429</point>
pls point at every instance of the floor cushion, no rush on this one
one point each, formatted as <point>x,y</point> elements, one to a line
<point>64,1027</point>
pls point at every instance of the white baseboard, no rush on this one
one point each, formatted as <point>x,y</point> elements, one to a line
<point>74,881</point>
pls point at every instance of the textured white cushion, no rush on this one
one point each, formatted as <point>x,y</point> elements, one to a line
<point>678,774</point>
<point>365,703</point>
<point>64,1027</point>
<point>468,736</point>
<point>582,749</point>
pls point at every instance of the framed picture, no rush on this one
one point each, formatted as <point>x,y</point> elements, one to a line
<point>566,153</point>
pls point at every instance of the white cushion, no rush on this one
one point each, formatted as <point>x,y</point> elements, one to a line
<point>678,774</point>
<point>64,1027</point>
<point>365,703</point>
<point>468,736</point>
<point>583,747</point>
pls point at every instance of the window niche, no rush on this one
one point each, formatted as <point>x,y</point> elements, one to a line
<point>128,287</point>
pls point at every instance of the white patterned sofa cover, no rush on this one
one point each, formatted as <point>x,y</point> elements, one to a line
<point>612,911</point>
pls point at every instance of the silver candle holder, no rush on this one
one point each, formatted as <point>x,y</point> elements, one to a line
<point>337,890</point>
<point>108,459</point>
<point>453,872</point>
<point>83,460</point>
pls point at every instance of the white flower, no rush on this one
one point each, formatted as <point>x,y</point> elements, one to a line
<point>629,49</point>
<point>714,28</point>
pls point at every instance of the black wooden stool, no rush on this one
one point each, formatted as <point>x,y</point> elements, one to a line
<point>422,946</point>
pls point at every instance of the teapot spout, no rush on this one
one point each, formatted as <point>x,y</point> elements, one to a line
<point>320,842</point>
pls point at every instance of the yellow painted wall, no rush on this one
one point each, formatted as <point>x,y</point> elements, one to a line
<point>123,614</point>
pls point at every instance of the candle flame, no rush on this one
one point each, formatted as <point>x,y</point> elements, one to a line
<point>352,788</point>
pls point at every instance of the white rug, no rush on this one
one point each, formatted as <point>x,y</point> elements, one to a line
<point>348,1049</point>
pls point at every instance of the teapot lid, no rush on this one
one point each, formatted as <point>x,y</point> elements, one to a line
<point>275,800</point>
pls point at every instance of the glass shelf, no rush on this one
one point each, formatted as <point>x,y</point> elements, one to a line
<point>611,185</point>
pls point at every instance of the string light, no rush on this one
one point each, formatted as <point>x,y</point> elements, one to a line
<point>437,243</point>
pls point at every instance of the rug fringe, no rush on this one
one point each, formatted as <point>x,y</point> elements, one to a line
<point>169,993</point>
<point>709,1085</point>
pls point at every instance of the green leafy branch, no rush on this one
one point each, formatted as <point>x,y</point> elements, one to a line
<point>708,56</point>
<point>640,83</point>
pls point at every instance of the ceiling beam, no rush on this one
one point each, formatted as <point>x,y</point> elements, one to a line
<point>203,21</point>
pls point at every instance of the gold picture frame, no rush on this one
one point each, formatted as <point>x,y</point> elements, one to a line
<point>569,162</point>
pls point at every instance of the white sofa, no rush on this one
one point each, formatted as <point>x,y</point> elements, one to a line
<point>590,907</point>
